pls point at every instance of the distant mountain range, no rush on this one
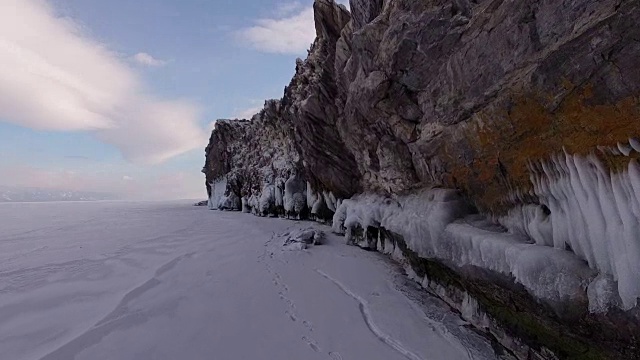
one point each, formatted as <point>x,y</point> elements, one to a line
<point>15,194</point>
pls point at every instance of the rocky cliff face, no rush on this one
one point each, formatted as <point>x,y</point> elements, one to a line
<point>527,111</point>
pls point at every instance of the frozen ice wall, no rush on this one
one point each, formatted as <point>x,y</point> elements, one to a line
<point>220,199</point>
<point>436,225</point>
<point>587,224</point>
<point>593,212</point>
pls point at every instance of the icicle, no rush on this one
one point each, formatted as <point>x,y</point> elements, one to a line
<point>625,149</point>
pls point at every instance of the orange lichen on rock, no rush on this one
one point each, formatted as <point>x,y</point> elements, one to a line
<point>505,141</point>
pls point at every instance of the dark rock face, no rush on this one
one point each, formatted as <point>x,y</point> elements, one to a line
<point>300,129</point>
<point>529,109</point>
<point>364,12</point>
<point>310,101</point>
<point>462,94</point>
<point>458,94</point>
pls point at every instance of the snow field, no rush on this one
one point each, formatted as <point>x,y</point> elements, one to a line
<point>173,281</point>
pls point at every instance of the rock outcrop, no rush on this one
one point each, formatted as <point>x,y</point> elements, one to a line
<point>527,112</point>
<point>249,162</point>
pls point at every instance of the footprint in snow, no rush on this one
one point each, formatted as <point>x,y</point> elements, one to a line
<point>311,344</point>
<point>292,316</point>
<point>307,325</point>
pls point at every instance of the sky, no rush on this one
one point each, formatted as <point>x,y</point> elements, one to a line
<point>120,96</point>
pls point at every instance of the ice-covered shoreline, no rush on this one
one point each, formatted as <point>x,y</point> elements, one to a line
<point>523,247</point>
<point>546,251</point>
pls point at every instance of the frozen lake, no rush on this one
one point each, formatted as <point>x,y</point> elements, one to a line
<point>112,280</point>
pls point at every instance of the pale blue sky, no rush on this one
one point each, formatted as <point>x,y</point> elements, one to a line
<point>218,59</point>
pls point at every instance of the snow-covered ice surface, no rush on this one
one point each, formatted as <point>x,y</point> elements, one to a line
<point>173,281</point>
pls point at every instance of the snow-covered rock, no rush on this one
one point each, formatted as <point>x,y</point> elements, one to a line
<point>300,239</point>
<point>249,161</point>
<point>295,192</point>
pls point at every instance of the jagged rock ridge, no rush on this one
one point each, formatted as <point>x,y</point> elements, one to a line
<point>528,111</point>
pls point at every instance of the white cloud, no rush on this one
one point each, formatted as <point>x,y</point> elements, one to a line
<point>290,34</point>
<point>155,131</point>
<point>143,58</point>
<point>287,9</point>
<point>54,77</point>
<point>291,30</point>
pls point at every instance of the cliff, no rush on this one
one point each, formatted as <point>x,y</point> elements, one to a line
<point>489,145</point>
